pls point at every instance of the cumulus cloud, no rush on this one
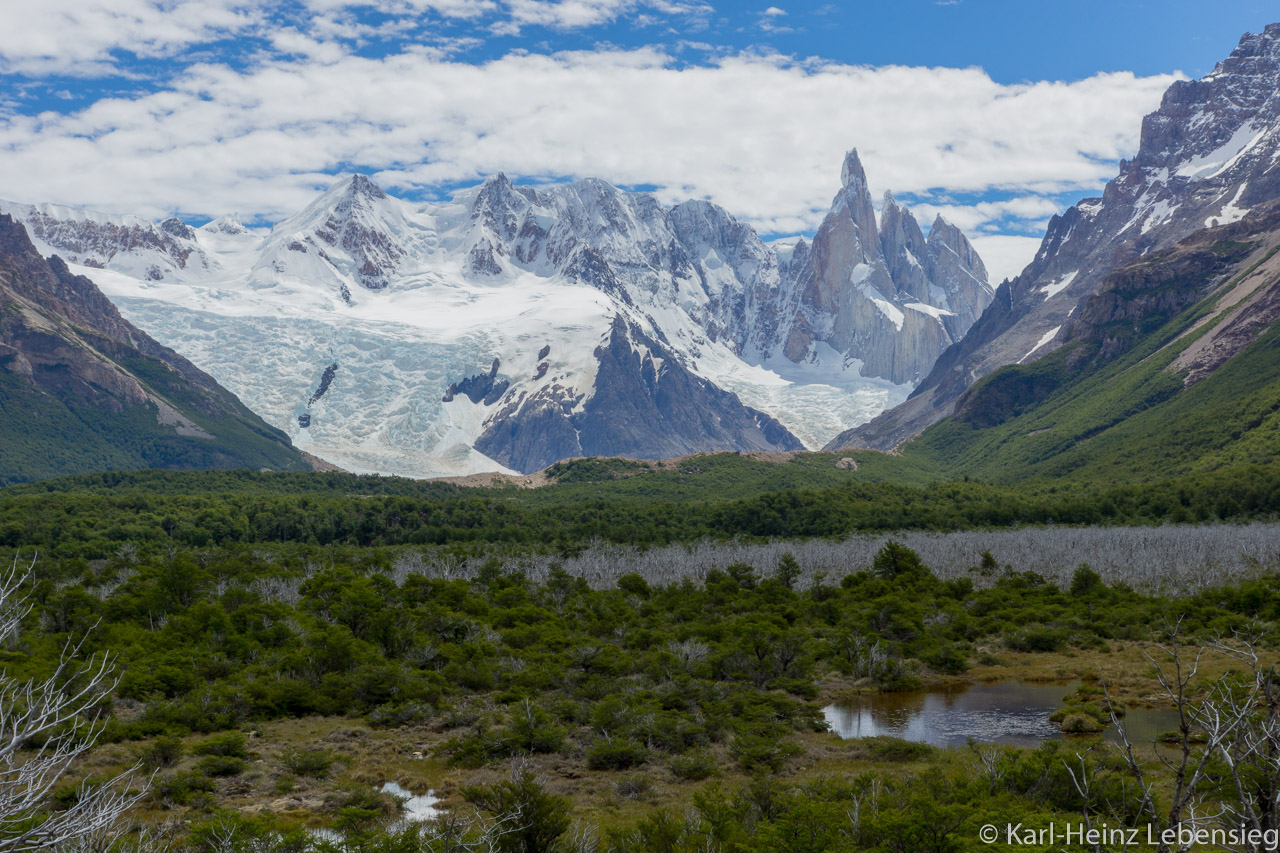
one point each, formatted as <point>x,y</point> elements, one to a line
<point>1005,255</point>
<point>989,215</point>
<point>762,135</point>
<point>75,37</point>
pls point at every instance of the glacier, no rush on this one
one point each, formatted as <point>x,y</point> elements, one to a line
<point>351,324</point>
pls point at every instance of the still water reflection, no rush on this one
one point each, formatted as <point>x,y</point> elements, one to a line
<point>1010,712</point>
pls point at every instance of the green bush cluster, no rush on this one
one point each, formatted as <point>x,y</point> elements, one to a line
<point>644,675</point>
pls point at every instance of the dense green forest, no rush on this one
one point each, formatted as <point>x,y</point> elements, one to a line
<point>93,516</point>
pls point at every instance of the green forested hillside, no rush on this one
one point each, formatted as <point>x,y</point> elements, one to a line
<point>1118,403</point>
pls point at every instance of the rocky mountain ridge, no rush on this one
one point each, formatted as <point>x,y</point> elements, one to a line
<point>735,345</point>
<point>1170,368</point>
<point>1208,155</point>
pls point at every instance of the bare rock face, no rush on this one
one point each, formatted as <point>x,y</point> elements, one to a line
<point>354,225</point>
<point>644,405</point>
<point>883,293</point>
<point>1208,155</point>
<point>147,249</point>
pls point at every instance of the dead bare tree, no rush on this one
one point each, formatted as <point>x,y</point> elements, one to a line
<point>1250,747</point>
<point>1206,726</point>
<point>45,725</point>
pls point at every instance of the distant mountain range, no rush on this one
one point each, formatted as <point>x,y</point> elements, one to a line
<point>515,326</point>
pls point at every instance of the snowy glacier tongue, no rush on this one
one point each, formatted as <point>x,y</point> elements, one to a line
<point>387,337</point>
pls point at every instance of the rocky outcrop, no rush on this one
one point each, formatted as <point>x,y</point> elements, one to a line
<point>1241,260</point>
<point>1209,154</point>
<point>140,247</point>
<point>484,388</point>
<point>643,405</point>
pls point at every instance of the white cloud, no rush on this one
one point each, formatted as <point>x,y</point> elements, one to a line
<point>763,136</point>
<point>78,37</point>
<point>984,215</point>
<point>82,37</point>
<point>1005,255</point>
<point>448,8</point>
<point>577,14</point>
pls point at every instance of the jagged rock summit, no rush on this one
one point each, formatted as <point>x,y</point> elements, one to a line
<point>883,294</point>
<point>1208,155</point>
<point>515,325</point>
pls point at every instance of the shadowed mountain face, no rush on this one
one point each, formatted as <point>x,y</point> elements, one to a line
<point>644,405</point>
<point>81,389</point>
<point>1209,155</point>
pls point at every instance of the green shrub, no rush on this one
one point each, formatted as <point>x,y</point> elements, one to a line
<point>314,763</point>
<point>894,749</point>
<point>758,751</point>
<point>634,584</point>
<point>538,819</point>
<point>895,560</point>
<point>181,788</point>
<point>949,659</point>
<point>616,754</point>
<point>221,765</point>
<point>1080,724</point>
<point>693,767</point>
<point>164,751</point>
<point>392,716</point>
<point>228,744</point>
<point>358,810</point>
<point>633,788</point>
<point>1036,638</point>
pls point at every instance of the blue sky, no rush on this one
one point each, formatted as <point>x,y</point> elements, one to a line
<point>995,113</point>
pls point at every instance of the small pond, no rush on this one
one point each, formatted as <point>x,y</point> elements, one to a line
<point>414,807</point>
<point>1009,712</point>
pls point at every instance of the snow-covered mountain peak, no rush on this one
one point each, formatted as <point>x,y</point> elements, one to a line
<point>353,236</point>
<point>175,227</point>
<point>355,197</point>
<point>1203,126</point>
<point>852,176</point>
<point>362,186</point>
<point>514,325</point>
<point>226,225</point>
